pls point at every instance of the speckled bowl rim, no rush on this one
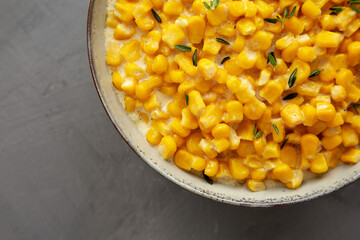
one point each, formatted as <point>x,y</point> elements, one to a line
<point>188,186</point>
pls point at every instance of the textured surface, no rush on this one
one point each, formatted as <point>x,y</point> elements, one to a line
<point>66,173</point>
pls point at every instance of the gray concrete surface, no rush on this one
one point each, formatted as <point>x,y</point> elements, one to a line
<point>65,173</point>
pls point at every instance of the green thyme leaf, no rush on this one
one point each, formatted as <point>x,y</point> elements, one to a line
<point>354,8</point>
<point>207,5</point>
<point>336,9</point>
<point>290,96</point>
<point>194,58</point>
<point>355,106</point>
<point>292,13</point>
<point>255,129</point>
<point>187,99</point>
<point>353,3</point>
<point>220,40</point>
<point>283,143</point>
<point>209,180</point>
<point>286,11</point>
<point>292,78</point>
<point>225,59</point>
<point>315,73</point>
<point>271,20</point>
<point>183,48</point>
<point>276,129</point>
<point>156,16</point>
<point>272,59</point>
<point>213,4</point>
<point>258,134</point>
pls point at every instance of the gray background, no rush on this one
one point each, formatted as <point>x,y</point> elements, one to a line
<point>65,173</point>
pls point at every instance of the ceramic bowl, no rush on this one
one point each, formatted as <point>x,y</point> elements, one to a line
<point>320,186</point>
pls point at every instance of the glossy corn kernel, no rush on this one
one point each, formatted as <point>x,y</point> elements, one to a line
<point>217,16</point>
<point>221,131</point>
<point>211,116</point>
<point>272,150</point>
<point>195,29</point>
<point>173,8</point>
<point>278,130</point>
<point>192,143</point>
<point>196,103</point>
<point>161,127</point>
<point>185,63</point>
<point>234,110</point>
<point>117,80</point>
<point>247,59</point>
<point>297,180</point>
<point>285,41</point>
<point>238,169</point>
<point>167,147</point>
<point>134,71</point>
<point>153,136</point>
<point>328,39</point>
<point>260,41</point>
<point>208,148</point>
<point>319,164</point>
<point>245,147</point>
<point>351,155</point>
<point>113,56</point>
<point>254,109</point>
<point>331,142</point>
<point>172,34</point>
<point>354,53</point>
<point>124,11</point>
<point>310,9</point>
<point>283,172</point>
<point>325,111</point>
<point>131,51</point>
<point>178,128</point>
<point>128,85</point>
<point>307,54</point>
<point>258,174</point>
<point>272,91</point>
<point>152,103</point>
<point>211,46</point>
<point>309,113</point>
<point>289,156</point>
<point>303,70</point>
<point>309,145</point>
<point>207,68</point>
<point>211,168</point>
<point>255,186</point>
<point>292,115</point>
<point>246,26</point>
<point>350,136</point>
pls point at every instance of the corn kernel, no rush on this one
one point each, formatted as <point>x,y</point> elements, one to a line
<point>207,68</point>
<point>292,115</point>
<point>131,51</point>
<point>255,186</point>
<point>283,172</point>
<point>272,91</point>
<point>306,54</point>
<point>297,180</point>
<point>319,164</point>
<point>294,25</point>
<point>351,155</point>
<point>350,136</point>
<point>134,71</point>
<point>211,116</point>
<point>310,9</point>
<point>173,8</point>
<point>212,167</point>
<point>325,111</point>
<point>328,39</point>
<point>167,147</point>
<point>245,26</point>
<point>172,34</point>
<point>153,136</point>
<point>309,145</point>
<point>237,169</point>
<point>260,41</point>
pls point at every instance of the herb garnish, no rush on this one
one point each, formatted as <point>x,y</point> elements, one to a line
<point>271,59</point>
<point>315,73</point>
<point>276,129</point>
<point>336,9</point>
<point>194,58</point>
<point>183,48</point>
<point>187,99</point>
<point>220,40</point>
<point>282,20</point>
<point>292,78</point>
<point>353,3</point>
<point>283,144</point>
<point>209,180</point>
<point>213,4</point>
<point>256,133</point>
<point>355,106</point>
<point>290,96</point>
<point>225,59</point>
<point>156,16</point>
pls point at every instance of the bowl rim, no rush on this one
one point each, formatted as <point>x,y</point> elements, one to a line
<point>171,178</point>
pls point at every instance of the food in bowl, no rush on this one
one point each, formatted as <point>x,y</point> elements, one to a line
<point>241,91</point>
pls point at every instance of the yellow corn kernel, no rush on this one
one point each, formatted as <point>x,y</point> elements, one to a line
<point>157,3</point>
<point>351,155</point>
<point>283,172</point>
<point>134,71</point>
<point>245,130</point>
<point>354,53</point>
<point>259,145</point>
<point>113,57</point>
<point>317,128</point>
<point>221,144</point>
<point>188,120</point>
<point>227,30</point>
<point>333,157</point>
<point>202,85</point>
<point>186,161</point>
<point>263,122</point>
<point>124,10</point>
<point>237,169</point>
<point>143,90</point>
<point>145,22</point>
<point>247,59</point>
<point>332,131</point>
<point>350,136</point>
<point>234,111</point>
<point>294,25</point>
<point>221,131</point>
<point>173,8</point>
<point>246,26</point>
<point>328,74</point>
<point>327,22</point>
<point>289,156</point>
<point>178,128</point>
<point>258,174</point>
<point>198,7</point>
<point>319,164</point>
<point>352,28</point>
<point>328,39</point>
<point>211,116</point>
<point>196,103</point>
<point>307,54</point>
<point>117,80</point>
<point>255,186</point>
<point>211,46</point>
<point>260,41</point>
<point>172,34</point>
<point>264,9</point>
<point>303,40</point>
<point>278,122</point>
<point>272,150</point>
<point>180,141</point>
<point>308,88</point>
<point>221,77</point>
<point>353,93</point>
<point>292,115</point>
<point>142,8</point>
<point>338,93</point>
<point>310,9</point>
<point>129,103</point>
<point>217,16</point>
<point>325,87</point>
<point>124,31</point>
<point>349,118</point>
<point>272,91</point>
<point>111,20</point>
<point>186,64</point>
<point>177,76</point>
<point>331,142</point>
<point>281,67</point>
<point>152,103</point>
<point>186,86</point>
<point>232,66</point>
<point>208,148</point>
<point>211,168</point>
<point>309,113</point>
<point>161,127</point>
<point>160,64</point>
<point>289,53</point>
<point>153,136</point>
<point>344,77</point>
<point>297,180</point>
<point>308,22</point>
<point>159,115</point>
<point>264,77</point>
<point>254,109</point>
<point>294,138</point>
<point>338,120</point>
<point>207,68</point>
<point>234,140</point>
<point>303,70</point>
<point>143,116</point>
<point>275,28</point>
<point>195,29</point>
<point>339,61</point>
<point>245,148</point>
<point>276,107</point>
<point>223,173</point>
<point>150,43</point>
<point>254,161</point>
<point>193,143</point>
<point>309,145</point>
<point>128,85</point>
<point>131,51</point>
<point>167,147</point>
<point>285,41</point>
<point>236,8</point>
<point>325,111</point>
<point>344,18</point>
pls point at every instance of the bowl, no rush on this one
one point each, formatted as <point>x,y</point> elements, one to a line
<point>310,189</point>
